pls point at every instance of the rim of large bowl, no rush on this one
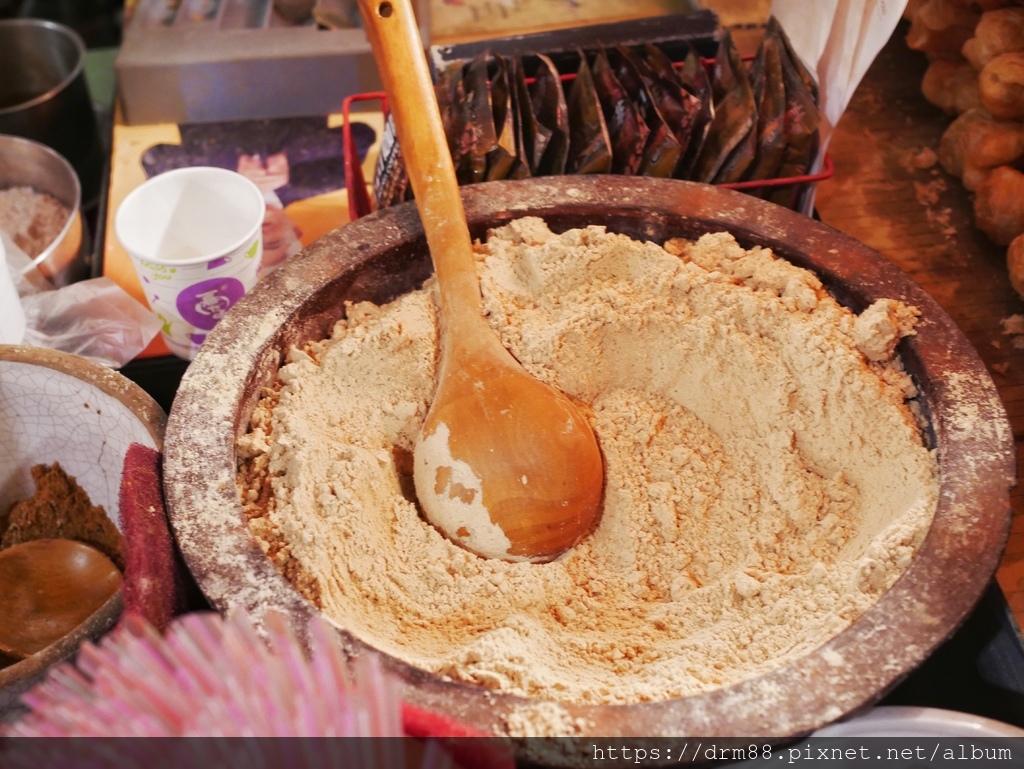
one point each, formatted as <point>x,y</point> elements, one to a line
<point>854,668</point>
<point>65,31</point>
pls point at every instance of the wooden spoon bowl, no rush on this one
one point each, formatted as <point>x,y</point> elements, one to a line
<point>50,587</point>
<point>505,466</point>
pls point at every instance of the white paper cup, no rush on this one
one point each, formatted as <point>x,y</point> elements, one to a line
<point>195,239</point>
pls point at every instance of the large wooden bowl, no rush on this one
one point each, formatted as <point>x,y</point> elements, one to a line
<point>381,256</point>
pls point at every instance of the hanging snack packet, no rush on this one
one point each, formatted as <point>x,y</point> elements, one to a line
<point>501,158</point>
<point>627,128</point>
<point>682,110</point>
<point>695,81</point>
<point>660,64</point>
<point>774,29</point>
<point>662,151</point>
<point>770,96</point>
<point>800,127</point>
<point>479,137</point>
<point>451,99</point>
<point>390,180</point>
<point>535,136</point>
<point>735,119</point>
<point>552,113</point>
<point>521,163</point>
<point>589,144</point>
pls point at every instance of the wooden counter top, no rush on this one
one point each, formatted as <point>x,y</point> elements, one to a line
<point>887,194</point>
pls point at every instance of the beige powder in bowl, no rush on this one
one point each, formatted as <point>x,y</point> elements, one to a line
<point>766,480</point>
<point>32,219</point>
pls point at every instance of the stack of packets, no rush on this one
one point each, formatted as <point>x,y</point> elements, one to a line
<point>629,110</point>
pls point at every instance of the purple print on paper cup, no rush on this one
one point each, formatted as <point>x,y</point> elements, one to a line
<point>203,304</point>
<point>195,238</point>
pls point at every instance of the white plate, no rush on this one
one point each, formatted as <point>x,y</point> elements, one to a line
<point>893,721</point>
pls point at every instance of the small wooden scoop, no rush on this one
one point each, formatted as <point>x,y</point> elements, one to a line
<point>505,466</point>
<point>49,587</point>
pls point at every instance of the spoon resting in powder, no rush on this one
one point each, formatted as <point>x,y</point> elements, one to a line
<point>50,587</point>
<point>505,465</point>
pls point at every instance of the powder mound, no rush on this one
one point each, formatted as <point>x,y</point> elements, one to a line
<point>543,719</point>
<point>881,326</point>
<point>32,219</point>
<point>766,480</point>
<point>60,509</point>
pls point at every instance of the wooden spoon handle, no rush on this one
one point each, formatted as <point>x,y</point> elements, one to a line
<point>398,51</point>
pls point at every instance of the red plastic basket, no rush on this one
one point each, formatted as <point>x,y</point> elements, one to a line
<point>360,204</point>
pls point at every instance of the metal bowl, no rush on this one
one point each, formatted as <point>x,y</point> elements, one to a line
<point>383,255</point>
<point>44,95</point>
<point>27,163</point>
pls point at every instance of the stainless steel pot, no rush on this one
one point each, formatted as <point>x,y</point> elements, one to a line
<point>44,96</point>
<point>26,163</point>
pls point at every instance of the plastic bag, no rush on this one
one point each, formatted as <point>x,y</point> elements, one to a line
<point>12,317</point>
<point>95,318</point>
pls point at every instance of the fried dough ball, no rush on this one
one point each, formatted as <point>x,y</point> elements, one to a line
<point>998,32</point>
<point>976,142</point>
<point>951,85</point>
<point>999,205</point>
<point>941,26</point>
<point>911,8</point>
<point>1015,264</point>
<point>1001,86</point>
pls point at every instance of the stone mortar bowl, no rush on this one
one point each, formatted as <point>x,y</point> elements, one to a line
<point>384,255</point>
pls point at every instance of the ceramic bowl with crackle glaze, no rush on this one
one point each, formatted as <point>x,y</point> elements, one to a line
<point>58,407</point>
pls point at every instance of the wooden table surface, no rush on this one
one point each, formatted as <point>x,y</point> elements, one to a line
<point>885,193</point>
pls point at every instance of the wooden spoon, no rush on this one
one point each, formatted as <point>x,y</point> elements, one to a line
<point>50,587</point>
<point>505,466</point>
